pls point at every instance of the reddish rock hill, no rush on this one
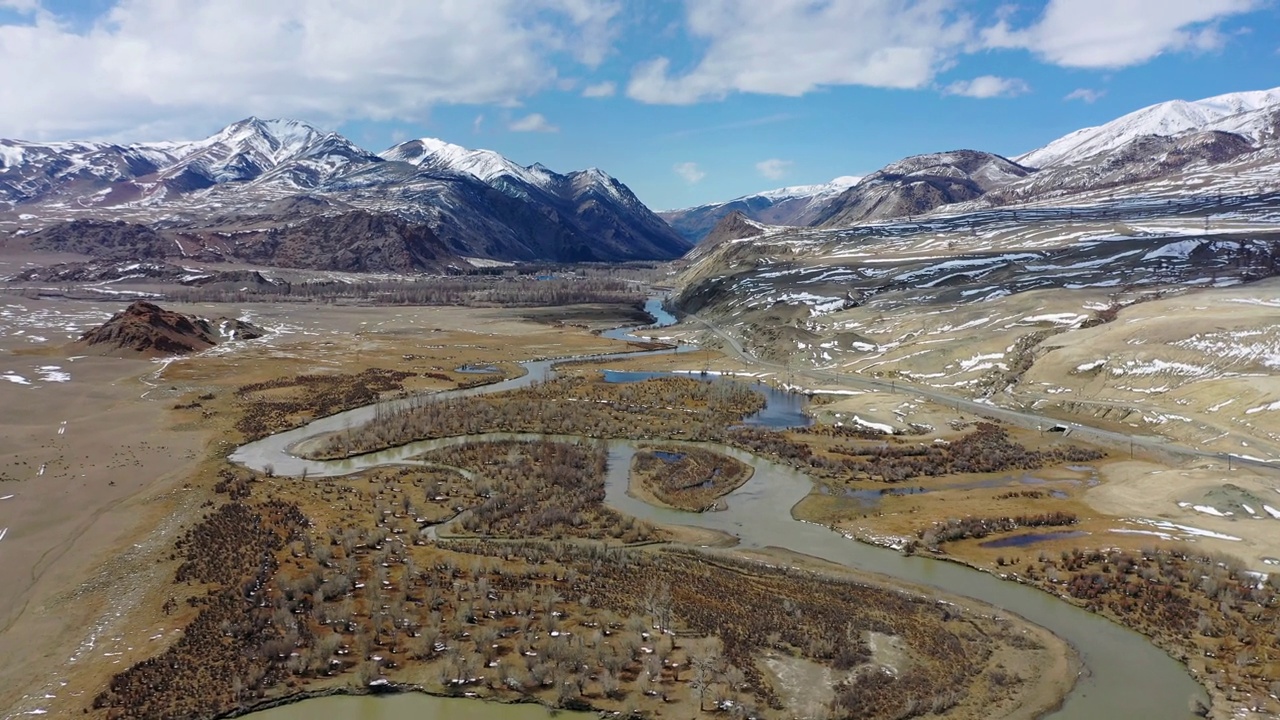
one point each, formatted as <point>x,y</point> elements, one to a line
<point>147,329</point>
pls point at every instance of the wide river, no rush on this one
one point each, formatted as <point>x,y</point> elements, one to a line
<point>1127,677</point>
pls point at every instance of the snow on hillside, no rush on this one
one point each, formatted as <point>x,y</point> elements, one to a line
<point>815,193</point>
<point>485,165</point>
<point>836,186</point>
<point>1233,112</point>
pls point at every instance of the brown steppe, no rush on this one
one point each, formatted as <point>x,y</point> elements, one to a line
<point>85,539</point>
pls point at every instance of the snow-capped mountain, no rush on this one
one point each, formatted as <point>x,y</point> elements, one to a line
<point>1228,145</point>
<point>1243,113</point>
<point>104,174</point>
<point>919,184</point>
<point>257,172</point>
<point>795,205</point>
<point>484,165</point>
<point>816,193</point>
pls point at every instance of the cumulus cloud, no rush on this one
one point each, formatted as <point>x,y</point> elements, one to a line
<point>534,122</point>
<point>988,86</point>
<point>1118,33</point>
<point>792,47</point>
<point>174,67</point>
<point>689,171</point>
<point>1086,95</point>
<point>600,90</point>
<point>773,168</point>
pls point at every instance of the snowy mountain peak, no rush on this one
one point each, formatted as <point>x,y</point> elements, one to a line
<point>416,151</point>
<point>601,182</point>
<point>1244,113</point>
<point>485,165</point>
<point>274,139</point>
<point>840,184</point>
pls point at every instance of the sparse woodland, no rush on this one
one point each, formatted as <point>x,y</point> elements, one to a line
<point>658,408</point>
<point>542,489</point>
<point>352,592</point>
<point>986,449</point>
<point>1200,607</point>
<point>979,527</point>
<point>469,290</point>
<point>689,478</point>
<point>528,587</point>
<point>288,402</point>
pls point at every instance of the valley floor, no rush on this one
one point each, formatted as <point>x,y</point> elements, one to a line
<point>91,514</point>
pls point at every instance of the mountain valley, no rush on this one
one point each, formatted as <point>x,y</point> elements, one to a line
<point>969,436</point>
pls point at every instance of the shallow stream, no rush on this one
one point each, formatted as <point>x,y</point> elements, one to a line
<point>1127,677</point>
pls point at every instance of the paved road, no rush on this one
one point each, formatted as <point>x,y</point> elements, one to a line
<point>1021,417</point>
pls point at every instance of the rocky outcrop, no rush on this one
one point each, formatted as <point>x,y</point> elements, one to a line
<point>147,329</point>
<point>116,240</point>
<point>734,226</point>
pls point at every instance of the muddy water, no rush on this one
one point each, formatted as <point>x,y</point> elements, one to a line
<point>1127,676</point>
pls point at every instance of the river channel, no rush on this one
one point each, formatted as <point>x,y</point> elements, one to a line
<point>1127,677</point>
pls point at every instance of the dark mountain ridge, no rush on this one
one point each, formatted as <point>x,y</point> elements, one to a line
<point>258,174</point>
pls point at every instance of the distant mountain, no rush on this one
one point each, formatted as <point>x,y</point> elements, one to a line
<point>796,205</point>
<point>1227,145</point>
<point>919,184</point>
<point>354,241</point>
<point>1245,113</point>
<point>261,174</point>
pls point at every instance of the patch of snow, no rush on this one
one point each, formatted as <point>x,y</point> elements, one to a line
<point>886,429</point>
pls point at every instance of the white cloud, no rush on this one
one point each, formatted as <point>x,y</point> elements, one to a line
<point>478,124</point>
<point>792,47</point>
<point>987,86</point>
<point>773,168</point>
<point>600,90</point>
<point>1118,33</point>
<point>1087,95</point>
<point>534,122</point>
<point>152,68</point>
<point>20,6</point>
<point>689,171</point>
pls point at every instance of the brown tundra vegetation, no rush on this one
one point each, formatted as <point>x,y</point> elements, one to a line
<point>986,449</point>
<point>689,478</point>
<point>979,527</point>
<point>660,407</point>
<point>539,489</point>
<point>338,587</point>
<point>282,403</point>
<point>1205,609</point>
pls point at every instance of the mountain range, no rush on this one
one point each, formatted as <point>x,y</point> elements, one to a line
<point>240,193</point>
<point>1226,145</point>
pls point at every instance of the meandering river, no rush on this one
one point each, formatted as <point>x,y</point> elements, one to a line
<point>1127,676</point>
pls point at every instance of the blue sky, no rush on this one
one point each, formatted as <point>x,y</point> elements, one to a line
<point>686,102</point>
